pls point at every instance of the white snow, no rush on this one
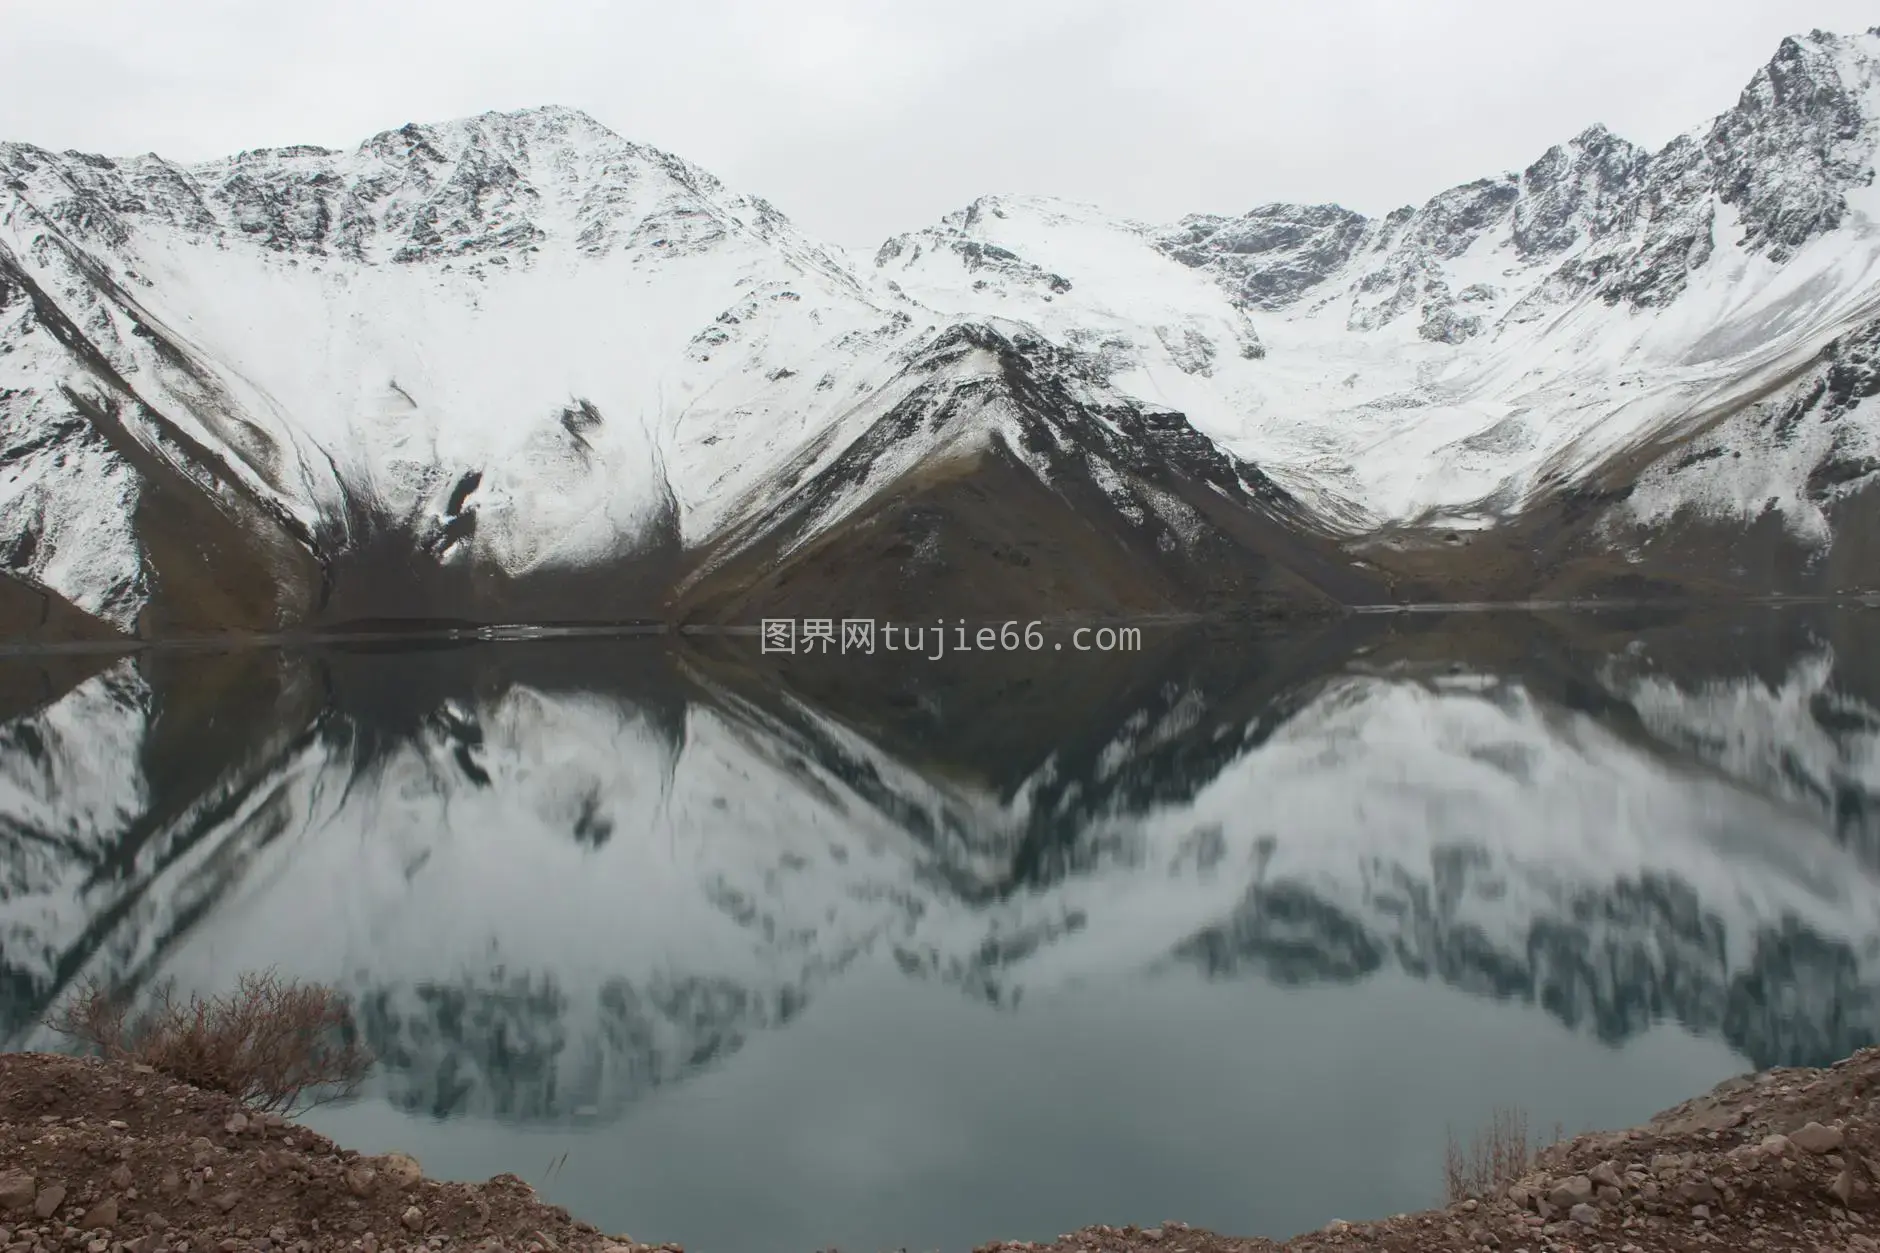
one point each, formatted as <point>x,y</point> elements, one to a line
<point>387,321</point>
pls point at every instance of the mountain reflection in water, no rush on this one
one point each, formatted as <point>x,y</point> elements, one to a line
<point>569,881</point>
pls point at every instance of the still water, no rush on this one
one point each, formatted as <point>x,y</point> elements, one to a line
<point>762,953</point>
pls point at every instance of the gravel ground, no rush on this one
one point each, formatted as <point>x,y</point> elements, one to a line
<point>109,1158</point>
<point>102,1157</point>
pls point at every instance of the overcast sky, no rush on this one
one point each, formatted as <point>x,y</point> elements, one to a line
<point>863,119</point>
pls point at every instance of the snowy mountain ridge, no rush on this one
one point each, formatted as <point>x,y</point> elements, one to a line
<point>465,368</point>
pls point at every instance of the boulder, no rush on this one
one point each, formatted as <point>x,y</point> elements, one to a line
<point>1815,1138</point>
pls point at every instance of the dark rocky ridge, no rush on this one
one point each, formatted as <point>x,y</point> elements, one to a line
<point>1635,223</point>
<point>217,555</point>
<point>1021,521</point>
<point>1272,255</point>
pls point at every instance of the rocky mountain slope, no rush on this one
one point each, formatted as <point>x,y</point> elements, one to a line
<point>517,367</point>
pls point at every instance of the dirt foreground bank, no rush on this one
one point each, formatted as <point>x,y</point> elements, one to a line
<point>108,1158</point>
<point>100,1157</point>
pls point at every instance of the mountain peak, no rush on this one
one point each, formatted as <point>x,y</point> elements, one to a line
<point>1598,138</point>
<point>515,130</point>
<point>1802,134</point>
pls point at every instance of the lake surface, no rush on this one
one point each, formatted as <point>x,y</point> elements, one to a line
<point>760,952</point>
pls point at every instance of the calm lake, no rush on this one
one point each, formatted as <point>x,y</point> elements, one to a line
<point>763,953</point>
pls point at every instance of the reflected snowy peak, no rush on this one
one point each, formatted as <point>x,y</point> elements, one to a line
<point>555,876</point>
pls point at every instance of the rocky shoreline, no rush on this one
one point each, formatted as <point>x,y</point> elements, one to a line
<point>100,1157</point>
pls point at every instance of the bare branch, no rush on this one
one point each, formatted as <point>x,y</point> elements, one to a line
<point>272,1043</point>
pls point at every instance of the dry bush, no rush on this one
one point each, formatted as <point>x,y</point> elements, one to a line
<point>270,1043</point>
<point>1496,1156</point>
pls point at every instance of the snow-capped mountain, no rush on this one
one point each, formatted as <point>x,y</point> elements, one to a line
<point>516,366</point>
<point>553,878</point>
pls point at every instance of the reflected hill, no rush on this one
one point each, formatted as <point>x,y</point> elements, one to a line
<point>560,874</point>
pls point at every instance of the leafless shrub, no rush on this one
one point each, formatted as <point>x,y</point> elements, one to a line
<point>272,1043</point>
<point>1495,1156</point>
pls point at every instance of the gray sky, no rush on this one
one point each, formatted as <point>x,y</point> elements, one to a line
<point>862,119</point>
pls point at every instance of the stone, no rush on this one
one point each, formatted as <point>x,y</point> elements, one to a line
<point>102,1216</point>
<point>1700,1211</point>
<point>1584,1214</point>
<point>1604,1175</point>
<point>1151,1234</point>
<point>412,1218</point>
<point>50,1198</point>
<point>1698,1191</point>
<point>118,1124</point>
<point>359,1180</point>
<point>1817,1139</point>
<point>17,1189</point>
<point>1608,1196</point>
<point>226,1201</point>
<point>401,1170</point>
<point>120,1178</point>
<point>155,1221</point>
<point>1576,1190</point>
<point>236,1124</point>
<point>1846,1186</point>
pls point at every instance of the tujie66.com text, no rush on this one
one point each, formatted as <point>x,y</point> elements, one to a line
<point>866,636</point>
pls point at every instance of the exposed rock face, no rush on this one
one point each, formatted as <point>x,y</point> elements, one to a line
<point>1050,490</point>
<point>1270,256</point>
<point>1800,138</point>
<point>1798,141</point>
<point>986,262</point>
<point>1576,192</point>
